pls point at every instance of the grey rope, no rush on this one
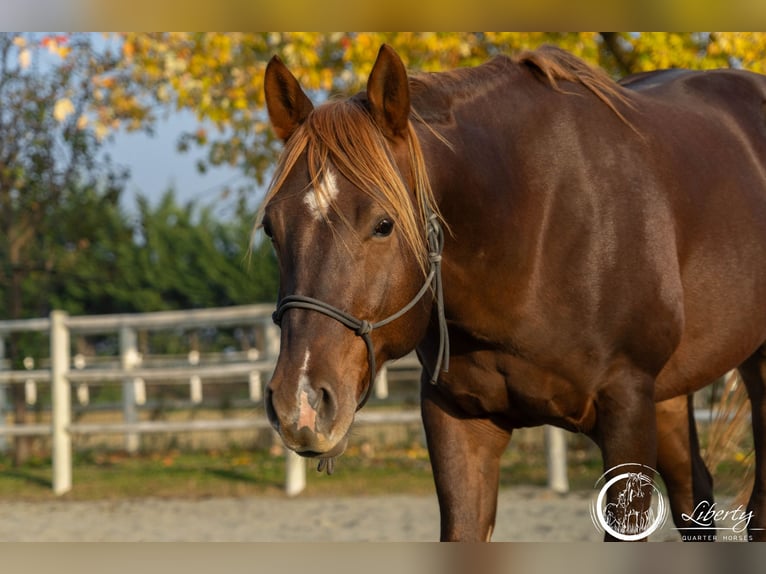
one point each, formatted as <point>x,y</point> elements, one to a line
<point>363,328</point>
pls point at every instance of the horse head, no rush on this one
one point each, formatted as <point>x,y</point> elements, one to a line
<point>352,220</point>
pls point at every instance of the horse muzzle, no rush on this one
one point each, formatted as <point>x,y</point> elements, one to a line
<point>309,421</point>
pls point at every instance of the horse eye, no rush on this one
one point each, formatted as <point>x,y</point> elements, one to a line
<point>267,230</point>
<point>384,228</point>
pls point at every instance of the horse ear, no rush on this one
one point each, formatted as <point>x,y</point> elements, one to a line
<point>388,93</point>
<point>288,106</point>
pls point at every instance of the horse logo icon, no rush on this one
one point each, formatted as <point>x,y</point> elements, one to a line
<point>639,509</point>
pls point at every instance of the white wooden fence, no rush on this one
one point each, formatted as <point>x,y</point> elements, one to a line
<point>256,367</point>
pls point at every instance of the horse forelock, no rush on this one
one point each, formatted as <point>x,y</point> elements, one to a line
<point>343,135</point>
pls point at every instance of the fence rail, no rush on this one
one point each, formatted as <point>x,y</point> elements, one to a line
<point>63,373</point>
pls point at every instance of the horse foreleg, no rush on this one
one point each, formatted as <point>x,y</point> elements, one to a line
<point>753,373</point>
<point>683,470</point>
<point>626,431</point>
<point>465,457</point>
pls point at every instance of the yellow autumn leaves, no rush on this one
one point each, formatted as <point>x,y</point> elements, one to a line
<point>218,76</point>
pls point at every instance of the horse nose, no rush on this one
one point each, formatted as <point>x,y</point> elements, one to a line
<point>301,412</point>
<point>317,407</point>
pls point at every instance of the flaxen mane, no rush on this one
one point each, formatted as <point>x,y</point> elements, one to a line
<point>557,65</point>
<point>551,65</point>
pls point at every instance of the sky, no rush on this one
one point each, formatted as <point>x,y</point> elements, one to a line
<point>156,165</point>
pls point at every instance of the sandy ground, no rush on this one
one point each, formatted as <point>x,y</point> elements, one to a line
<point>524,514</point>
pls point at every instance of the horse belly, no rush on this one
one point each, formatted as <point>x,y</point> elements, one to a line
<point>720,226</point>
<point>724,324</point>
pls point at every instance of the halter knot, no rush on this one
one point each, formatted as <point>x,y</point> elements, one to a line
<point>364,328</point>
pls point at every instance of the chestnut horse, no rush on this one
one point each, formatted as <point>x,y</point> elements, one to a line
<point>558,248</point>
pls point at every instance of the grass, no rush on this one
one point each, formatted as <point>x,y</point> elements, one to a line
<point>214,473</point>
<point>237,472</point>
<point>362,470</point>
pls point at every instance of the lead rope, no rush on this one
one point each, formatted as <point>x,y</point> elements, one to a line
<point>436,246</point>
<point>363,328</point>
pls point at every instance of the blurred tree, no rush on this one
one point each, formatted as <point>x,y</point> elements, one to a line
<point>49,157</point>
<point>188,259</point>
<point>80,258</point>
<point>64,240</point>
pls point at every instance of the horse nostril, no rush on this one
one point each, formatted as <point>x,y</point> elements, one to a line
<point>326,405</point>
<point>313,397</point>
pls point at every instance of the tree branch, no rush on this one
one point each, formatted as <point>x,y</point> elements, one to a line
<point>624,59</point>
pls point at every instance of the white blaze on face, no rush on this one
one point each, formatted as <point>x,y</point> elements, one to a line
<point>318,200</point>
<point>306,413</point>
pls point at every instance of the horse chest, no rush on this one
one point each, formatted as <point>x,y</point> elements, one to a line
<point>515,391</point>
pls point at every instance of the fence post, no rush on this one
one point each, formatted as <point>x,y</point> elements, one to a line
<point>381,383</point>
<point>128,360</point>
<point>556,452</point>
<point>295,466</point>
<point>62,403</point>
<point>271,339</point>
<point>3,399</point>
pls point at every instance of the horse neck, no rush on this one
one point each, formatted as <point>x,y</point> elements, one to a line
<point>473,181</point>
<point>465,115</point>
<point>466,148</point>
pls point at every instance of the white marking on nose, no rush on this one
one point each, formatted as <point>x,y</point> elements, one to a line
<point>318,200</point>
<point>306,413</point>
<point>305,365</point>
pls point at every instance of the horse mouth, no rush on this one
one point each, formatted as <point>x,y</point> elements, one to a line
<point>335,451</point>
